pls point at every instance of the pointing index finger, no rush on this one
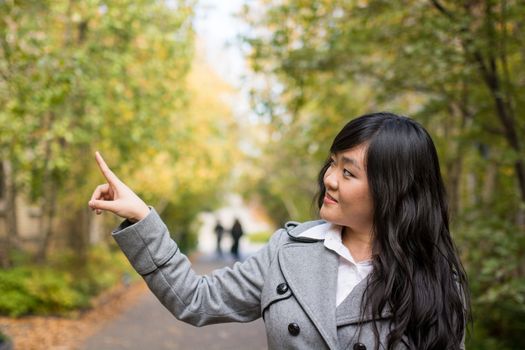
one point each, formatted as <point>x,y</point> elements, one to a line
<point>106,171</point>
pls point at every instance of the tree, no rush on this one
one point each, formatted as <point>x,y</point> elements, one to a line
<point>81,76</point>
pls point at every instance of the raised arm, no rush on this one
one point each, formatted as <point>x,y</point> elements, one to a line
<point>228,294</point>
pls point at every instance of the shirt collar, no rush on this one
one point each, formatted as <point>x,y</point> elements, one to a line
<point>319,231</point>
<point>331,234</point>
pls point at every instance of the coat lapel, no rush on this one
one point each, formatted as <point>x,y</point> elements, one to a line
<point>349,311</point>
<point>311,273</point>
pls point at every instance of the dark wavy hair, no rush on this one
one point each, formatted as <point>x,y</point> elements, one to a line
<point>416,269</point>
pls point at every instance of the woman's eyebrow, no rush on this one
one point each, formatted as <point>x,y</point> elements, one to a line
<point>352,161</point>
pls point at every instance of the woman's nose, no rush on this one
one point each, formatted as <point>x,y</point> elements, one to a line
<point>330,179</point>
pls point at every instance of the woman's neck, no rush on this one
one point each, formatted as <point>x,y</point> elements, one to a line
<point>359,244</point>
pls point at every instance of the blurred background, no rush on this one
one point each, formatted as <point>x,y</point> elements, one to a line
<point>193,103</point>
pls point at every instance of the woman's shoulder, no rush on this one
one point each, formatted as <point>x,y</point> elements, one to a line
<point>291,232</point>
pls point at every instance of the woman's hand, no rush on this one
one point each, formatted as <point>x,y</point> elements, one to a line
<point>116,197</point>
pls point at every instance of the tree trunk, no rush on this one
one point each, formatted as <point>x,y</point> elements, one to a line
<point>46,220</point>
<point>454,171</point>
<point>293,212</point>
<point>78,234</point>
<point>489,183</point>
<point>48,202</point>
<point>9,212</point>
<point>462,115</point>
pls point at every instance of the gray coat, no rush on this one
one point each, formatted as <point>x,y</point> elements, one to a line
<point>291,283</point>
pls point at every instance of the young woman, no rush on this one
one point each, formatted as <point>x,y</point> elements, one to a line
<point>379,271</point>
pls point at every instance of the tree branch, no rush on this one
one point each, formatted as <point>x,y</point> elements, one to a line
<point>442,9</point>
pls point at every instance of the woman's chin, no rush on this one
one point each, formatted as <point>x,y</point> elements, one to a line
<point>324,214</point>
<point>331,217</point>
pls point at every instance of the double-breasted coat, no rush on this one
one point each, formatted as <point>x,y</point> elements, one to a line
<point>291,283</point>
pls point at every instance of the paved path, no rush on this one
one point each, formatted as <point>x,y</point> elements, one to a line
<point>148,325</point>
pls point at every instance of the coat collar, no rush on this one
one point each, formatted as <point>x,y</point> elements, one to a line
<point>311,273</point>
<point>295,229</point>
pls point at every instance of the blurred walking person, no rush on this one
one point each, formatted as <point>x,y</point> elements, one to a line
<point>236,232</point>
<point>219,231</point>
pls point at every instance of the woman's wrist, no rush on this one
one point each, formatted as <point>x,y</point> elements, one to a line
<point>141,214</point>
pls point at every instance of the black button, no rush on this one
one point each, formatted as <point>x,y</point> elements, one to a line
<point>282,288</point>
<point>294,329</point>
<point>359,346</point>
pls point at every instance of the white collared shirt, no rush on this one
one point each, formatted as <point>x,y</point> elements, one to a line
<point>349,272</point>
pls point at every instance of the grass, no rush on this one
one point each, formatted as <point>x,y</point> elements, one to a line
<point>259,237</point>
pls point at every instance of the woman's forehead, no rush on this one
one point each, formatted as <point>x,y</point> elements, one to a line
<point>355,155</point>
<point>354,152</point>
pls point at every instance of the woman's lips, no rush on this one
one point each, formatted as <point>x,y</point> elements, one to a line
<point>329,199</point>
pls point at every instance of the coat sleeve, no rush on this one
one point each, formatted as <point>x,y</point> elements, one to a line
<point>226,295</point>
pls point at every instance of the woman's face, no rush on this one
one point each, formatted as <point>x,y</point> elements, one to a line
<point>347,200</point>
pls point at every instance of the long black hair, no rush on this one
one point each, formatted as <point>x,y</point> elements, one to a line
<point>416,269</point>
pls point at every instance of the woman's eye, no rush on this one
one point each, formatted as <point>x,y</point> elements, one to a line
<point>347,173</point>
